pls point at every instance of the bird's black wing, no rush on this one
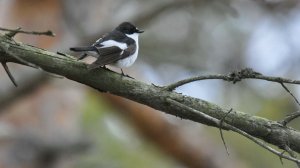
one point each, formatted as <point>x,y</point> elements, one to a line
<point>108,55</point>
<point>113,35</point>
<point>111,55</point>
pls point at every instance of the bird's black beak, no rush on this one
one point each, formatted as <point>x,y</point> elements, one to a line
<point>139,31</point>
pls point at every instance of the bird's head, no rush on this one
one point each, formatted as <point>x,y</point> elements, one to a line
<point>128,28</point>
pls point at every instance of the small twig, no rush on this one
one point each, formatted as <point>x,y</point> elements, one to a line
<point>291,153</point>
<point>289,118</point>
<point>213,121</point>
<point>285,88</point>
<point>230,127</point>
<point>9,74</point>
<point>280,157</point>
<point>21,61</point>
<point>13,32</point>
<point>234,77</point>
<point>293,116</point>
<point>221,132</point>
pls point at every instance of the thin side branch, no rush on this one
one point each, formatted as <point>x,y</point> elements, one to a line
<point>175,85</point>
<point>13,32</point>
<point>234,77</point>
<point>290,118</point>
<point>221,132</point>
<point>20,60</point>
<point>213,121</point>
<point>287,90</point>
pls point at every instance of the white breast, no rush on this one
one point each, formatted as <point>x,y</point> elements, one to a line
<point>127,61</point>
<point>131,59</point>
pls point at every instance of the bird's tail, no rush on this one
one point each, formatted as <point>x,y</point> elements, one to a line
<point>87,48</point>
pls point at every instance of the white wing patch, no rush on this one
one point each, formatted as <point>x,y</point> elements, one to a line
<point>110,43</point>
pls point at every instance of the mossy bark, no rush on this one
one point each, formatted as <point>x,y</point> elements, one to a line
<point>147,94</point>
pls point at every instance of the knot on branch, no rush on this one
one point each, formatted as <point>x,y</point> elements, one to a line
<point>237,76</point>
<point>48,33</point>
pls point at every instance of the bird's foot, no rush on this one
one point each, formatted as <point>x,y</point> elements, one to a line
<point>123,74</point>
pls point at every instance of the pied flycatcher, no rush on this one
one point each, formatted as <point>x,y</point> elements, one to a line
<point>118,48</point>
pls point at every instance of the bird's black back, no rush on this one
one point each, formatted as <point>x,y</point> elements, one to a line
<point>116,36</point>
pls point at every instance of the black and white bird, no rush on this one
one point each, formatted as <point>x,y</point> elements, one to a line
<point>118,48</point>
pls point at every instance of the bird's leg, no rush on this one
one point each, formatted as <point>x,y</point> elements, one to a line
<point>123,74</point>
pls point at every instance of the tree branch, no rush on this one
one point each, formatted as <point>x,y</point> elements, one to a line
<point>155,97</point>
<point>234,77</point>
